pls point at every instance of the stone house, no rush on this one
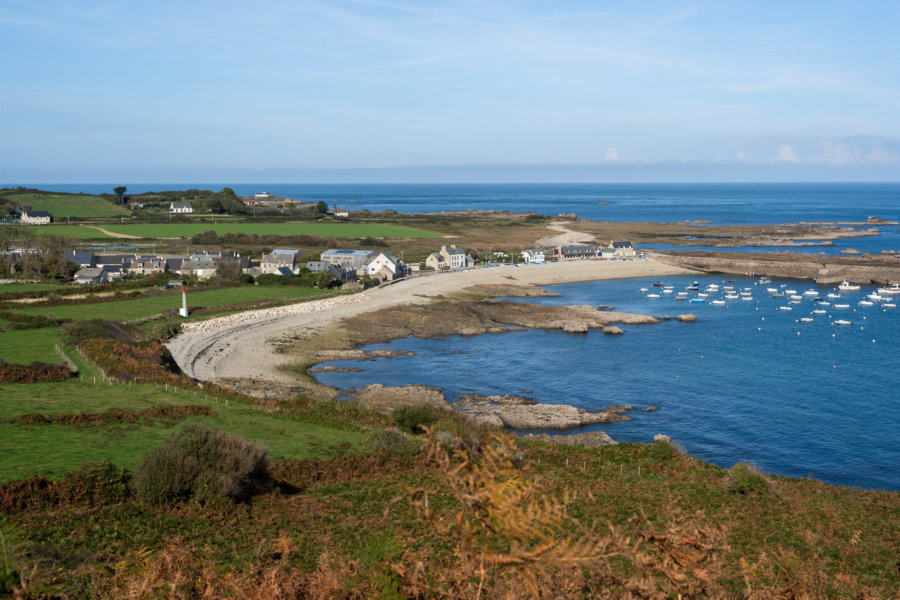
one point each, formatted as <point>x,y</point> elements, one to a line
<point>356,258</point>
<point>181,207</point>
<point>35,217</point>
<point>622,249</point>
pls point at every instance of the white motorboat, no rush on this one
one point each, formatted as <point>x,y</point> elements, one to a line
<point>890,291</point>
<point>841,322</point>
<point>693,287</point>
<point>847,286</point>
<point>772,290</point>
<point>889,305</point>
<point>866,303</point>
<point>790,292</point>
<point>819,312</point>
<point>651,296</point>
<point>875,297</point>
<point>785,308</point>
<point>833,295</point>
<point>764,280</point>
<point>842,306</point>
<point>810,293</point>
<point>718,302</point>
<point>806,319</point>
<point>731,296</point>
<point>795,297</point>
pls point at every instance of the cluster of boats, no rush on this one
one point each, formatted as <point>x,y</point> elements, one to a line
<point>718,295</point>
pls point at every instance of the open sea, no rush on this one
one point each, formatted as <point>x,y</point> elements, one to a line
<point>749,381</point>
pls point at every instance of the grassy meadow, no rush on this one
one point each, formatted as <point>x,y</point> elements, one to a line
<point>51,450</point>
<point>69,205</point>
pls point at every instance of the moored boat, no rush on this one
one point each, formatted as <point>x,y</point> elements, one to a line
<point>847,286</point>
<point>891,291</point>
<point>841,322</point>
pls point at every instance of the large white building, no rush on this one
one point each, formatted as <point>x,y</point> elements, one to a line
<point>35,217</point>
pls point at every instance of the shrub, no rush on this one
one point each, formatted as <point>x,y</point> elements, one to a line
<point>396,442</point>
<point>36,372</point>
<point>744,478</point>
<point>203,463</point>
<point>412,417</point>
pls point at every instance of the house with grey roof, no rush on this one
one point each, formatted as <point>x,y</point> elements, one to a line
<point>533,255</point>
<point>181,207</point>
<point>436,261</point>
<point>454,256</point>
<point>35,217</point>
<point>577,252</point>
<point>356,258</point>
<point>385,267</point>
<point>280,258</point>
<point>622,249</point>
<point>82,259</point>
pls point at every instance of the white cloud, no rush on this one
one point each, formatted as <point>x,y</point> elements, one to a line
<point>612,154</point>
<point>787,154</point>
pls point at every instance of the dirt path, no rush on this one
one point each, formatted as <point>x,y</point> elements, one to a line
<point>240,346</point>
<point>122,236</point>
<point>566,237</point>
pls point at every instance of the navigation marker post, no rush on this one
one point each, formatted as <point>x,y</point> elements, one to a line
<point>183,311</point>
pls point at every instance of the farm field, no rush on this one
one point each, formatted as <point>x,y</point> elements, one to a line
<point>187,230</point>
<point>9,288</point>
<point>51,450</point>
<point>29,345</point>
<point>69,205</point>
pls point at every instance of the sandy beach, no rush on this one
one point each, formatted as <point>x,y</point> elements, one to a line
<point>240,346</point>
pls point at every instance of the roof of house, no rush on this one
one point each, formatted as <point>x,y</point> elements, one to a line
<point>620,244</point>
<point>88,272</point>
<point>36,213</point>
<point>454,250</point>
<point>80,258</point>
<point>350,252</point>
<point>576,248</point>
<point>286,251</point>
<point>181,205</point>
<point>282,271</point>
<point>111,259</point>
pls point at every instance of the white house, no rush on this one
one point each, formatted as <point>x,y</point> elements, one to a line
<point>622,249</point>
<point>384,266</point>
<point>35,217</point>
<point>181,207</point>
<point>533,255</point>
<point>454,256</point>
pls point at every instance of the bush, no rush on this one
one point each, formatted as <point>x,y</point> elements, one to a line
<point>36,372</point>
<point>744,478</point>
<point>396,442</point>
<point>412,417</point>
<point>202,463</point>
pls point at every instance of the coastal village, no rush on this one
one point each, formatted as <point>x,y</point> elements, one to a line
<point>342,265</point>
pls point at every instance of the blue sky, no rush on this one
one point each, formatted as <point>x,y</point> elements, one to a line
<point>279,90</point>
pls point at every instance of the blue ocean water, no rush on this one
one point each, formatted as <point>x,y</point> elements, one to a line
<point>748,381</point>
<point>724,203</point>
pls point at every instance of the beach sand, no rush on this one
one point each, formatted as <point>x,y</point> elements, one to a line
<point>240,346</point>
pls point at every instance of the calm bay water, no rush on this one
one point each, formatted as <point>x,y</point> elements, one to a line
<point>748,381</point>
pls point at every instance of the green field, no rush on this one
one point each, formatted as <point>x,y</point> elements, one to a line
<point>128,310</point>
<point>29,345</point>
<point>8,288</point>
<point>51,450</point>
<point>187,230</point>
<point>69,205</point>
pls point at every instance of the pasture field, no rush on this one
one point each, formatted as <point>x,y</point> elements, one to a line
<point>139,308</point>
<point>9,288</point>
<point>69,205</point>
<point>187,230</point>
<point>29,345</point>
<point>51,450</point>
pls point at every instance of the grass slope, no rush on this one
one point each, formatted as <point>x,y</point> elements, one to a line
<point>69,205</point>
<point>51,450</point>
<point>127,310</point>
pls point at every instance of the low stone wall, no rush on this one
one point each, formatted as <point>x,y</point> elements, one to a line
<point>243,318</point>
